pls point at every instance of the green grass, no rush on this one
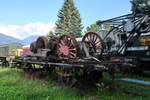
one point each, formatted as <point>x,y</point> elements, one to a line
<point>116,92</point>
<point>14,86</point>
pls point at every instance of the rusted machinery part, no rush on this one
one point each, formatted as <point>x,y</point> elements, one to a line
<point>33,47</point>
<point>67,47</point>
<point>52,43</point>
<point>95,40</point>
<point>65,76</point>
<point>93,77</point>
<point>42,43</point>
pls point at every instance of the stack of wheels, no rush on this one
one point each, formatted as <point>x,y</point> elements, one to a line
<point>94,44</point>
<point>40,43</point>
<point>66,47</point>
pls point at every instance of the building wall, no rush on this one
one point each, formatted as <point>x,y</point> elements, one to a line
<point>3,51</point>
<point>13,46</point>
<point>6,49</point>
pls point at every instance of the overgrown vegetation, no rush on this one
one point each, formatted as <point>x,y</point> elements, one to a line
<point>123,91</point>
<point>15,86</point>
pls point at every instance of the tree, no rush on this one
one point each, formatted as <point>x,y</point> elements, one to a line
<point>69,21</point>
<point>50,34</point>
<point>97,28</point>
<point>93,28</point>
<point>141,6</point>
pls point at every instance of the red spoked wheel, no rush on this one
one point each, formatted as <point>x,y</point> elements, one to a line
<point>33,47</point>
<point>42,43</point>
<point>93,43</point>
<point>67,47</point>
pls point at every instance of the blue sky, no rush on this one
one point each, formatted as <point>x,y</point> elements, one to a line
<point>20,13</point>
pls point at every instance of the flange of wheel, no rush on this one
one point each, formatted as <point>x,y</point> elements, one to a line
<point>52,42</point>
<point>93,40</point>
<point>42,42</point>
<point>33,47</point>
<point>67,47</point>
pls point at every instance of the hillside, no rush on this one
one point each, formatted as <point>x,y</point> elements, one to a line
<point>30,39</point>
<point>5,39</point>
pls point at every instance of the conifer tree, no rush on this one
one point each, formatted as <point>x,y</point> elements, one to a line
<point>69,21</point>
<point>141,6</point>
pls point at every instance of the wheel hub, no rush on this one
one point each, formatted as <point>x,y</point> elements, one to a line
<point>64,50</point>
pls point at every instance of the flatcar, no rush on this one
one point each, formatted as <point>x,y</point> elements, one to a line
<point>123,46</point>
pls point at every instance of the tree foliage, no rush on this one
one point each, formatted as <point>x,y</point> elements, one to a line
<point>92,28</point>
<point>97,28</point>
<point>69,21</point>
<point>51,33</point>
<point>141,6</point>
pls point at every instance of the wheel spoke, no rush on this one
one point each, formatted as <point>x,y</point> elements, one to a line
<point>60,53</point>
<point>88,38</point>
<point>60,45</point>
<point>61,42</point>
<point>64,40</point>
<point>69,42</point>
<point>95,39</point>
<point>74,49</point>
<point>97,42</point>
<point>71,46</point>
<point>70,56</point>
<point>73,54</point>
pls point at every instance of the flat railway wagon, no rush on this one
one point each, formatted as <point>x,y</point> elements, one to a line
<point>8,52</point>
<point>70,58</point>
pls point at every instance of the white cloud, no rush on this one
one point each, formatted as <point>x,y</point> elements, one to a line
<point>21,32</point>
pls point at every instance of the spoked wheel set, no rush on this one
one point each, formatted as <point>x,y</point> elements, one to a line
<point>68,51</point>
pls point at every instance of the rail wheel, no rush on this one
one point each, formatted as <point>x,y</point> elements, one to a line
<point>42,43</point>
<point>93,43</point>
<point>67,47</point>
<point>27,68</point>
<point>5,64</point>
<point>33,47</point>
